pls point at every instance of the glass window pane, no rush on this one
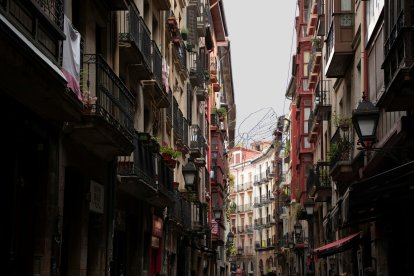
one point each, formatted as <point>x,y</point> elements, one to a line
<point>346,5</point>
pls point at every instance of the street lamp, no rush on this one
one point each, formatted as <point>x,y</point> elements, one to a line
<point>298,229</point>
<point>230,237</point>
<point>365,120</point>
<point>217,214</point>
<point>190,172</point>
<point>309,206</point>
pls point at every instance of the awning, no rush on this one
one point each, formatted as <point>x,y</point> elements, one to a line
<point>372,198</point>
<point>336,246</point>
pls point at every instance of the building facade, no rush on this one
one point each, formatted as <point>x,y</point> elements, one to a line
<point>109,105</point>
<point>359,61</point>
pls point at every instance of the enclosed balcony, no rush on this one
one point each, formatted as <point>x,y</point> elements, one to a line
<point>314,127</point>
<point>31,35</point>
<point>339,39</point>
<point>398,61</point>
<point>107,128</point>
<point>314,62</point>
<point>313,17</point>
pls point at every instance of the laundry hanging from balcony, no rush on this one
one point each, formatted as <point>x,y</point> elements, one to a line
<point>71,57</point>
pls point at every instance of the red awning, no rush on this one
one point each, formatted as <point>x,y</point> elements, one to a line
<point>336,246</point>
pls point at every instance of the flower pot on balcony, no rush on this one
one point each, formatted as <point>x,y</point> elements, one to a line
<point>216,87</point>
<point>166,156</point>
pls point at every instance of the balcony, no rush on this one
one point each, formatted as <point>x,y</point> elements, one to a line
<point>339,42</point>
<point>137,172</point>
<point>249,229</point>
<point>180,57</point>
<point>197,142</point>
<point>135,43</point>
<point>32,34</point>
<point>313,126</point>
<point>322,100</point>
<point>108,125</point>
<point>196,69</point>
<point>270,173</point>
<point>320,25</point>
<point>313,17</point>
<point>202,21</point>
<point>314,62</point>
<point>240,229</point>
<point>175,211</point>
<point>340,155</point>
<point>398,64</point>
<point>323,187</point>
<point>145,176</point>
<point>141,55</point>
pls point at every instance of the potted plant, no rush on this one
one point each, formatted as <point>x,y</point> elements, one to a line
<point>343,122</point>
<point>316,43</point>
<point>184,33</point>
<point>221,112</point>
<point>169,153</point>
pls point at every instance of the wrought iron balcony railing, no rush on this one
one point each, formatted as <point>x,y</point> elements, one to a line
<point>40,21</point>
<point>197,141</point>
<point>132,29</point>
<point>114,102</point>
<point>139,164</point>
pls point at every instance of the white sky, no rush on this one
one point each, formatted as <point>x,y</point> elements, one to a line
<point>260,33</point>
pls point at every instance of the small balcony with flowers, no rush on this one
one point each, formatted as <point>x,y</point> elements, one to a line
<point>107,127</point>
<point>144,174</point>
<point>340,156</point>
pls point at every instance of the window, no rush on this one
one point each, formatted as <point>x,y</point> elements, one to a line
<point>306,57</point>
<point>306,114</point>
<point>346,5</point>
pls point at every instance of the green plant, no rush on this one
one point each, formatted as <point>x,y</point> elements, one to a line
<point>316,42</point>
<point>184,33</point>
<point>221,111</point>
<point>341,121</point>
<point>168,150</point>
<point>340,150</point>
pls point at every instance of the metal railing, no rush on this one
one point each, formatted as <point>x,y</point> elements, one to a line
<point>197,140</point>
<point>181,51</point>
<point>114,102</point>
<point>53,10</point>
<point>178,119</point>
<point>157,64</point>
<point>140,164</point>
<point>133,28</point>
